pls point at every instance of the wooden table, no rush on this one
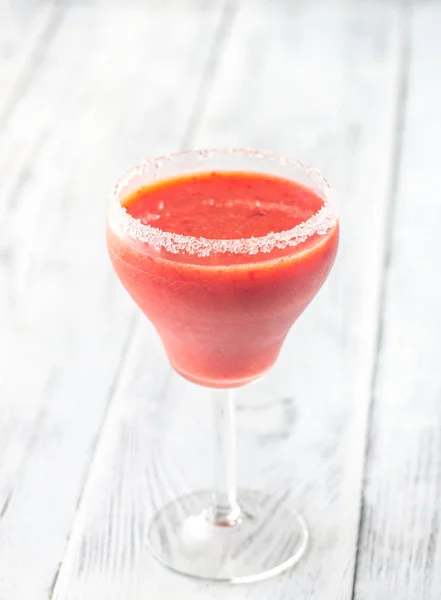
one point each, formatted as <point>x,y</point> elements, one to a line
<point>95,429</point>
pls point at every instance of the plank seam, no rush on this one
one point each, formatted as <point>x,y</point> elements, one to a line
<point>5,505</point>
<point>396,162</point>
<point>112,393</point>
<point>209,73</point>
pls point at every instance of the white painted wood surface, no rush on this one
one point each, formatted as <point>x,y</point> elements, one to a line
<point>400,547</point>
<point>26,30</point>
<point>319,457</point>
<point>95,429</point>
<point>99,101</point>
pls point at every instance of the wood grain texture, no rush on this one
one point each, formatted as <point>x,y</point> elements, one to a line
<point>321,81</point>
<point>400,548</point>
<point>104,96</point>
<point>26,30</point>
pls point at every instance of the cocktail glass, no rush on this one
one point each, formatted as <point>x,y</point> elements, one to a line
<point>222,308</point>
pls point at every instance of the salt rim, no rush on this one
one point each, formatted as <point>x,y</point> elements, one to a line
<point>319,223</point>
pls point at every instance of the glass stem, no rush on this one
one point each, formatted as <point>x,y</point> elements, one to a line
<point>225,511</point>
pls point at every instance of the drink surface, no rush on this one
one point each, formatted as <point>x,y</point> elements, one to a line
<point>223,318</point>
<point>224,205</point>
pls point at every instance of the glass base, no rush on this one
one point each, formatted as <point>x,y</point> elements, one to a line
<point>267,538</point>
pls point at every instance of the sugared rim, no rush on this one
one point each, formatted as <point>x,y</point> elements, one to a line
<point>319,223</point>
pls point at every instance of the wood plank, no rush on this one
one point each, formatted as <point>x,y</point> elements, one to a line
<point>318,80</point>
<point>105,96</point>
<point>26,30</point>
<point>400,548</point>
